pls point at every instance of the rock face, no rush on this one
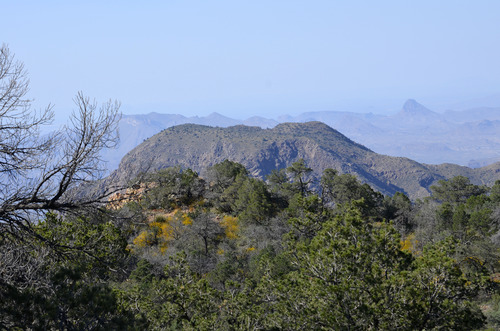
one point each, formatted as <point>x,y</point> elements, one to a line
<point>263,150</point>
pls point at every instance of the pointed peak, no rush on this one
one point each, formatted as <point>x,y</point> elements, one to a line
<point>412,107</point>
<point>215,114</point>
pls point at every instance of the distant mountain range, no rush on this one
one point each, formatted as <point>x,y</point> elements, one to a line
<point>469,137</point>
<point>262,150</point>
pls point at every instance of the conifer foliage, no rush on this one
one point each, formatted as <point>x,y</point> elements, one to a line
<point>228,251</point>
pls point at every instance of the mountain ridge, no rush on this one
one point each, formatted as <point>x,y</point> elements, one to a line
<point>461,137</point>
<point>263,150</point>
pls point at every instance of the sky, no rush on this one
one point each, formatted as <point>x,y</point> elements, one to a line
<point>260,57</point>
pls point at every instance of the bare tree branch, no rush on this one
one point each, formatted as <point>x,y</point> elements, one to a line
<point>44,173</point>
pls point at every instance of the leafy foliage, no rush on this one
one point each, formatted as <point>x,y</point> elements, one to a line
<point>456,190</point>
<point>240,253</point>
<point>64,283</point>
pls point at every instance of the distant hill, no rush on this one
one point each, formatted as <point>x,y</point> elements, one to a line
<point>421,134</point>
<point>473,115</point>
<point>134,129</point>
<point>412,109</point>
<point>468,137</point>
<point>262,150</point>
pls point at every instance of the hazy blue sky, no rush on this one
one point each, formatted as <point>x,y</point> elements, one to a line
<point>242,58</point>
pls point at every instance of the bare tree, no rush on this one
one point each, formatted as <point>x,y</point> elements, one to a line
<point>38,172</point>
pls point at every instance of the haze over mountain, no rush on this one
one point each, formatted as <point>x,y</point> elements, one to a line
<point>263,150</point>
<point>468,137</point>
<point>412,109</point>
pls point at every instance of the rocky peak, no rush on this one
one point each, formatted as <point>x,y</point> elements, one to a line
<point>413,108</point>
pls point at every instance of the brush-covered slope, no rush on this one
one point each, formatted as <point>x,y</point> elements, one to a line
<point>262,150</point>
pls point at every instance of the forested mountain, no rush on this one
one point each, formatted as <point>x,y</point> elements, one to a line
<point>309,248</point>
<point>468,137</point>
<point>263,150</point>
